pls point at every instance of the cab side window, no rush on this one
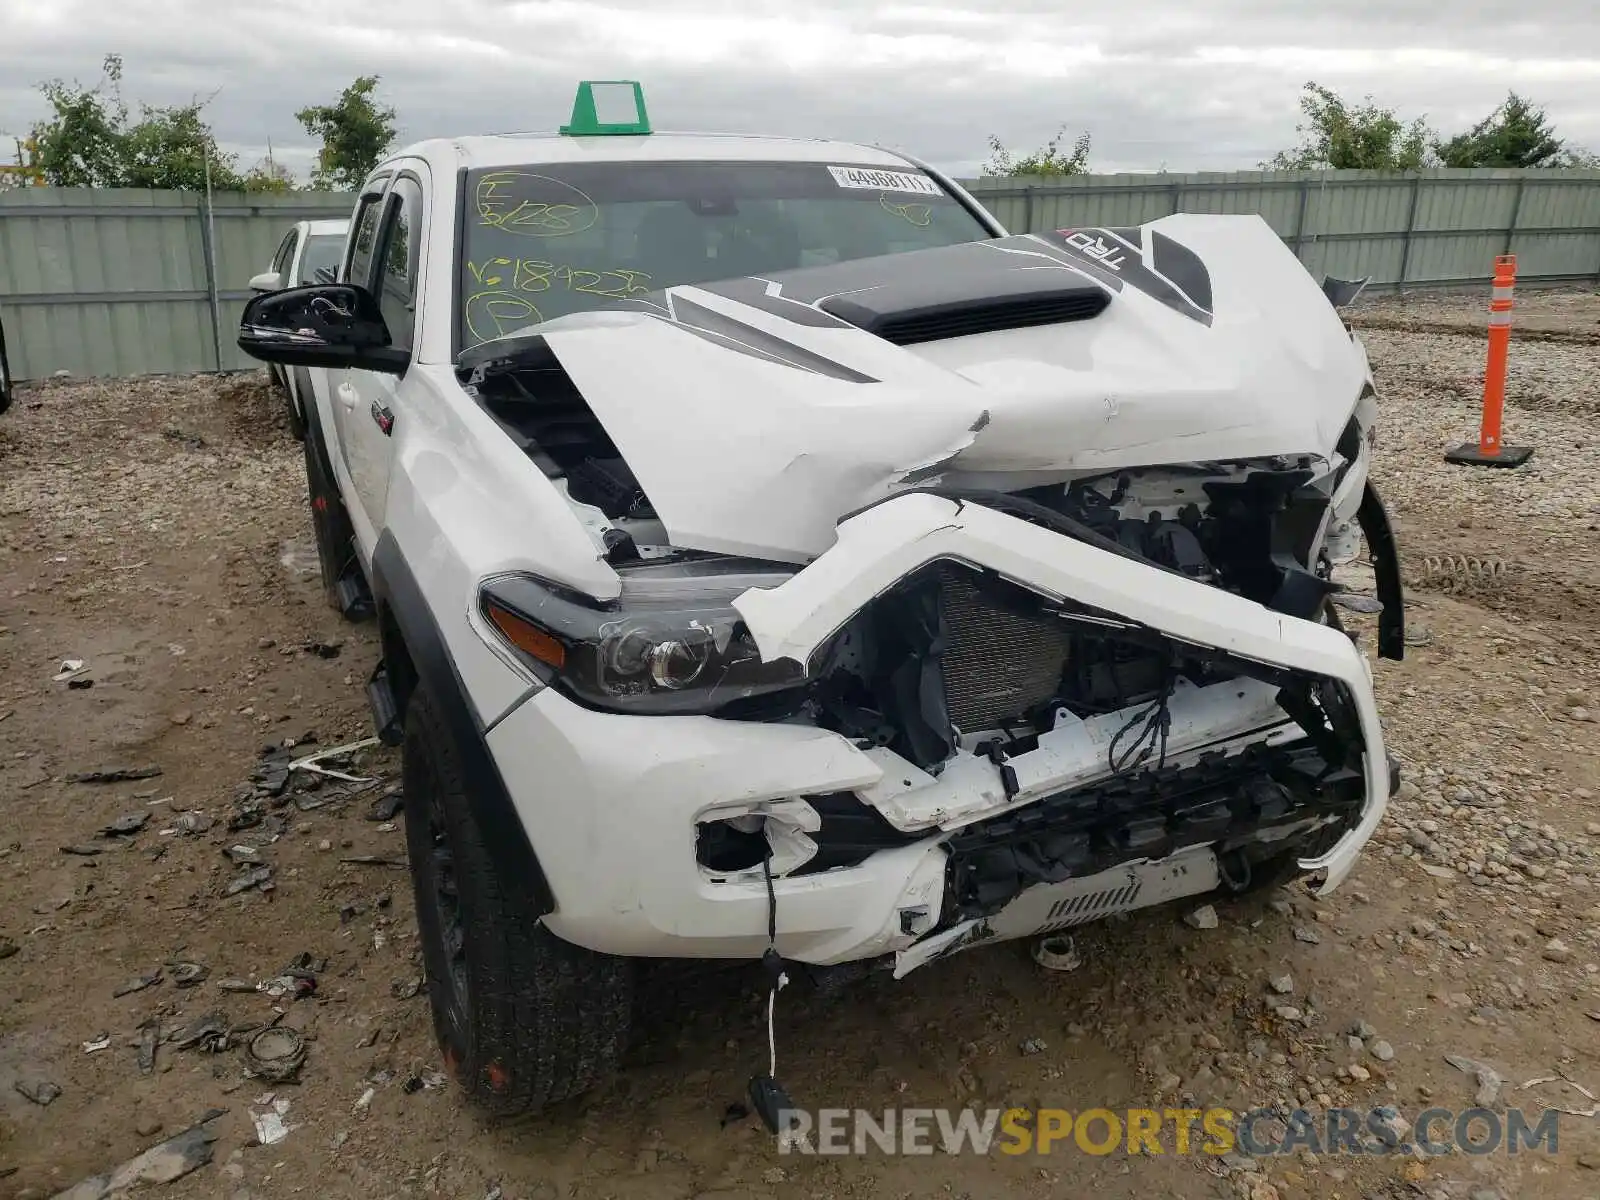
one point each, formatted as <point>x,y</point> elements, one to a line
<point>396,283</point>
<point>280,260</point>
<point>364,245</point>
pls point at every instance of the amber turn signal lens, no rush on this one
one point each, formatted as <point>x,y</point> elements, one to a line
<point>527,637</point>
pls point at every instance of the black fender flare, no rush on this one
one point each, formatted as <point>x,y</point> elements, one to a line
<point>1373,518</point>
<point>404,613</point>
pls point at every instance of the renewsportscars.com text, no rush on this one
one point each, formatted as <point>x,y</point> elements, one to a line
<point>1259,1133</point>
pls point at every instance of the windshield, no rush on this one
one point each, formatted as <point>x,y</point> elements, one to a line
<point>543,241</point>
<point>322,250</point>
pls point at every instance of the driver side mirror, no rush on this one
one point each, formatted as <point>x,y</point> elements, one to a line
<point>335,325</point>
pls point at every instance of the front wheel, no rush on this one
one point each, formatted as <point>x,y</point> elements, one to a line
<point>523,1019</point>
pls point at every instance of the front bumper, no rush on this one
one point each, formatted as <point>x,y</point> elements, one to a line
<point>611,802</point>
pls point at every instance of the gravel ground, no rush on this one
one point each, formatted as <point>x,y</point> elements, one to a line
<point>157,531</point>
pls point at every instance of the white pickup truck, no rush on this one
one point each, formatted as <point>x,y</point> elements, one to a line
<point>774,558</point>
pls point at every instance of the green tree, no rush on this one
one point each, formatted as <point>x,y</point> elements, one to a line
<point>1048,161</point>
<point>172,148</point>
<point>1516,134</point>
<point>269,176</point>
<point>81,144</point>
<point>1344,137</point>
<point>355,131</point>
<point>89,140</point>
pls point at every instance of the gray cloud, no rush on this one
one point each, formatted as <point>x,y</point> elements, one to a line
<point>1158,82</point>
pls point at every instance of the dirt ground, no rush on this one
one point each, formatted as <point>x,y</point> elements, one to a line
<point>157,531</point>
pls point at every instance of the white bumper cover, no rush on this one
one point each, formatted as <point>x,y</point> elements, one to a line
<point>611,801</point>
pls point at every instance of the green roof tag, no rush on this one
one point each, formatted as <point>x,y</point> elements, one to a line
<point>617,107</point>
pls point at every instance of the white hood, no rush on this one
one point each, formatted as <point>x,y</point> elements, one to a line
<point>754,417</point>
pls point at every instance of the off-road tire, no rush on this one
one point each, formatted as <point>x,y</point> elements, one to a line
<point>330,523</point>
<point>523,1019</point>
<point>302,388</point>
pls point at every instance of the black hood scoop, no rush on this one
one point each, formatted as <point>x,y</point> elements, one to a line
<point>931,295</point>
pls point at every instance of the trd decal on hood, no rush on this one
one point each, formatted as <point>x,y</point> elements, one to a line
<point>745,339</point>
<point>1145,259</point>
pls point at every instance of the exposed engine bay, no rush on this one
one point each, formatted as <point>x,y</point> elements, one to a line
<point>954,665</point>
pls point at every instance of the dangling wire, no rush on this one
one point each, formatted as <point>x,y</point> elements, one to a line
<point>1152,736</point>
<point>782,978</point>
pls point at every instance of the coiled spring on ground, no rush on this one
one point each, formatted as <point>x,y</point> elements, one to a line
<point>1459,572</point>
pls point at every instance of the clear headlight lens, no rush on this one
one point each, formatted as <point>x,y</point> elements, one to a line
<point>671,643</point>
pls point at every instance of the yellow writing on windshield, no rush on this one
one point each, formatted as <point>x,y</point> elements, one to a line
<point>491,315</point>
<point>530,205</point>
<point>918,214</point>
<point>538,275</point>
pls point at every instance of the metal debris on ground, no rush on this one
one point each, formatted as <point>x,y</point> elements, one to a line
<point>1056,952</point>
<point>209,1032</point>
<point>1592,1111</point>
<point>188,974</point>
<point>313,762</point>
<point>41,1091</point>
<point>1489,1080</point>
<point>193,822</point>
<point>96,1044</point>
<point>374,860</point>
<point>172,1159</point>
<point>424,1080</point>
<point>386,806</point>
<point>257,877</point>
<point>126,825</point>
<point>235,985</point>
<point>276,1054</point>
<point>138,984</point>
<point>1355,602</point>
<point>271,1128</point>
<point>115,775</point>
<point>71,668</point>
<point>149,1038</point>
<point>297,980</point>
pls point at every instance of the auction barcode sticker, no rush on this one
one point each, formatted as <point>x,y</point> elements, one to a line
<point>884,181</point>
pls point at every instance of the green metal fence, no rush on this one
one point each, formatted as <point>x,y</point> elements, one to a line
<point>1439,228</point>
<point>126,282</point>
<point>117,283</point>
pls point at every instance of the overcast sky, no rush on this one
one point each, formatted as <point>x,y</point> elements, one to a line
<point>1185,84</point>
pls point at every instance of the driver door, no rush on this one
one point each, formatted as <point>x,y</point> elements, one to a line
<point>366,400</point>
<point>358,268</point>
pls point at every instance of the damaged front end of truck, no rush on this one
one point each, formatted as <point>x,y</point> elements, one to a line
<point>1050,544</point>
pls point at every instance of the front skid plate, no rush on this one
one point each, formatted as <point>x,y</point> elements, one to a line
<point>1048,907</point>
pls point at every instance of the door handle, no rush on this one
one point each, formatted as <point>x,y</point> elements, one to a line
<point>347,395</point>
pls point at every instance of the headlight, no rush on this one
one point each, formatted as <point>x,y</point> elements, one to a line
<point>671,643</point>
